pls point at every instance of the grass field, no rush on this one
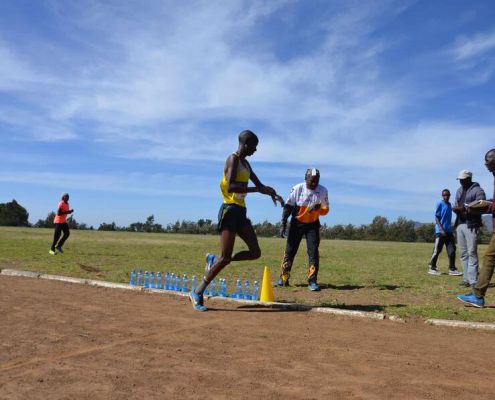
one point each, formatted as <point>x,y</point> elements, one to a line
<point>370,276</point>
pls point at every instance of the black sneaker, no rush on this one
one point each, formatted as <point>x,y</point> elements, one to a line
<point>59,249</point>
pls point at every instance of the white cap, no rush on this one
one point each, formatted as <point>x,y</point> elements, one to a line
<point>464,174</point>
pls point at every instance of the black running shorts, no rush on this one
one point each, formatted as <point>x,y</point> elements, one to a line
<point>232,217</point>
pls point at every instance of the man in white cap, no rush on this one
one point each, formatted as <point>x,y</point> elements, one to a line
<point>468,225</point>
<point>306,203</point>
<point>477,296</point>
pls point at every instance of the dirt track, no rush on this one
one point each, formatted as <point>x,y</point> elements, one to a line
<point>65,341</point>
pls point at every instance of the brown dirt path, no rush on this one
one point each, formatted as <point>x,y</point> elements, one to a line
<point>65,341</point>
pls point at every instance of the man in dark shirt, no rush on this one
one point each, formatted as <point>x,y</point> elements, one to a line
<point>468,225</point>
<point>477,296</point>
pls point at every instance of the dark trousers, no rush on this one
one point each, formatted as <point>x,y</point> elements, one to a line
<point>59,228</point>
<point>486,272</point>
<point>297,231</point>
<point>440,241</point>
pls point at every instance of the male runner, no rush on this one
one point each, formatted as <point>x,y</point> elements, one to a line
<point>61,225</point>
<point>306,202</point>
<point>232,219</point>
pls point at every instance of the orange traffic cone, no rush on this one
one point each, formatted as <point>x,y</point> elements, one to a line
<point>266,287</point>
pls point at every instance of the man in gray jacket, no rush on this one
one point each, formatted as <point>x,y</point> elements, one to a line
<point>468,225</point>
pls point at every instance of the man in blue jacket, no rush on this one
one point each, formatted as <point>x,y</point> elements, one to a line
<point>468,225</point>
<point>443,235</point>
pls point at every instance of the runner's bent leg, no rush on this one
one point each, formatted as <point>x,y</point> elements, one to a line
<point>56,235</point>
<point>65,229</point>
<point>248,234</point>
<point>227,240</point>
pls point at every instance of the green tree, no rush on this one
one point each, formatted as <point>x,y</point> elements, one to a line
<point>378,228</point>
<point>401,230</point>
<point>47,222</point>
<point>108,227</point>
<point>425,233</point>
<point>13,214</point>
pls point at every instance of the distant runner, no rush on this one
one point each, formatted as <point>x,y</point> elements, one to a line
<point>232,219</point>
<point>306,202</point>
<point>61,225</point>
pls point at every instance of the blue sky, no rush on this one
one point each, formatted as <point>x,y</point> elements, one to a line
<point>132,107</point>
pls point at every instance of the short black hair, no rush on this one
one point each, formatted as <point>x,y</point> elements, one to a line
<point>247,136</point>
<point>489,152</point>
<point>446,190</point>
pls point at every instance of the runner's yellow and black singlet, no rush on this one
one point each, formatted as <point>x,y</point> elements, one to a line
<point>242,176</point>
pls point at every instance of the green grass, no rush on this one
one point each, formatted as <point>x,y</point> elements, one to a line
<point>371,276</point>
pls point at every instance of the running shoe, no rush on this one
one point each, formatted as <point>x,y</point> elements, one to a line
<point>434,271</point>
<point>197,301</point>
<point>281,282</point>
<point>465,284</point>
<point>313,286</point>
<point>455,272</point>
<point>59,249</point>
<point>210,260</point>
<point>472,300</point>
<point>51,252</point>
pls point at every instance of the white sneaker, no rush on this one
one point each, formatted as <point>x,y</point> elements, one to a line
<point>433,271</point>
<point>455,272</point>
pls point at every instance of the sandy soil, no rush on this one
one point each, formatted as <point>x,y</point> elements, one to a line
<point>66,341</point>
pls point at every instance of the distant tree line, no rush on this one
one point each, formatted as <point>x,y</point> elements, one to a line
<point>401,230</point>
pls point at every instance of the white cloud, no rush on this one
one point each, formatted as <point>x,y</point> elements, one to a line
<point>474,46</point>
<point>475,56</point>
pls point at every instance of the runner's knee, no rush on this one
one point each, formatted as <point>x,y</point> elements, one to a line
<point>224,260</point>
<point>256,253</point>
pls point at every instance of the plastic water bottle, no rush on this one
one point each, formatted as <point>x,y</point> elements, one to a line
<point>213,288</point>
<point>166,281</point>
<point>133,277</point>
<point>152,280</point>
<point>172,281</point>
<point>225,286</point>
<point>146,279</point>
<point>220,287</point>
<point>178,283</point>
<point>247,290</point>
<point>194,283</point>
<point>256,291</point>
<point>238,291</point>
<point>158,281</point>
<point>185,283</point>
<point>140,277</point>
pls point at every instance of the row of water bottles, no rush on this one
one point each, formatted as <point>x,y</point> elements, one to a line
<point>178,283</point>
<point>166,281</point>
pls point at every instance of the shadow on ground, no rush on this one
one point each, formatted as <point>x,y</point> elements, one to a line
<point>324,286</point>
<point>362,307</point>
